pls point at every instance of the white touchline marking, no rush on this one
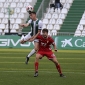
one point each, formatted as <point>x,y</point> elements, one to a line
<point>43,58</point>
<point>45,72</point>
<point>26,51</point>
<point>33,62</point>
<point>12,53</point>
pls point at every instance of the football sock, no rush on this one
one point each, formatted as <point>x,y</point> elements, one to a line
<point>31,53</point>
<point>59,69</point>
<point>36,66</point>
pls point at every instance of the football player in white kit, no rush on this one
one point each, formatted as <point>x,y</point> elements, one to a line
<point>36,27</point>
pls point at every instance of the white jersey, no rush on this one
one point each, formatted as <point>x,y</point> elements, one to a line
<point>35,26</point>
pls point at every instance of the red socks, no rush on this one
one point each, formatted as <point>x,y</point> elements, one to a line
<point>36,66</point>
<point>59,69</point>
<point>57,66</point>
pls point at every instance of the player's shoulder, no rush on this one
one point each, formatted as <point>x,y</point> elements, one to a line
<point>50,38</point>
<point>40,21</point>
<point>39,36</point>
<point>30,20</point>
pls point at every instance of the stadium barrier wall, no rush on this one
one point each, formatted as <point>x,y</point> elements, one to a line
<point>13,42</point>
<point>62,42</point>
<point>70,42</point>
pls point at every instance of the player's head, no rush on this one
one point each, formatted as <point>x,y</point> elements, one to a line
<point>33,15</point>
<point>45,33</point>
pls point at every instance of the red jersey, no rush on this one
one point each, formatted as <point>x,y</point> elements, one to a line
<point>45,43</point>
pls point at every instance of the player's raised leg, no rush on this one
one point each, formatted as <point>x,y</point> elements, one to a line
<point>25,38</point>
<point>29,55</point>
<point>36,46</point>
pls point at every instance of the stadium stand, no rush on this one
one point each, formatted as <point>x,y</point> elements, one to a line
<point>67,21</point>
<point>73,17</point>
<point>70,19</point>
<point>20,14</point>
<point>53,20</point>
<point>80,31</point>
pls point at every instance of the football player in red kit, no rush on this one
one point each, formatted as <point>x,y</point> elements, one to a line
<point>45,41</point>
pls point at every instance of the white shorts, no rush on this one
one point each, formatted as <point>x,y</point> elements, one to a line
<point>27,37</point>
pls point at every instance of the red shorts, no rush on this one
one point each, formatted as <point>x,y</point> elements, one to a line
<point>49,54</point>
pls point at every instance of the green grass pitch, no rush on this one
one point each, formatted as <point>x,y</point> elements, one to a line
<point>14,71</point>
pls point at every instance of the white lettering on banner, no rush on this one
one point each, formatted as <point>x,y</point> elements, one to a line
<point>76,42</point>
<point>3,42</point>
<point>7,42</point>
<point>26,44</point>
<point>83,44</point>
<point>14,43</point>
<point>66,42</point>
<point>79,40</point>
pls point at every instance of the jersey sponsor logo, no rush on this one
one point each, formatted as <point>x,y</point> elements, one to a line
<point>43,44</point>
<point>50,48</point>
<point>47,41</point>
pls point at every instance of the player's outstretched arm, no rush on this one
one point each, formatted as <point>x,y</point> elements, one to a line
<point>34,37</point>
<point>31,39</point>
<point>39,31</point>
<point>24,25</point>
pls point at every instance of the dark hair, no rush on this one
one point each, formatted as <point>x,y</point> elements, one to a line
<point>32,12</point>
<point>45,30</point>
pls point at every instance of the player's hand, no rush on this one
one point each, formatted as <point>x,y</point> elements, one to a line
<point>22,41</point>
<point>56,50</point>
<point>22,25</point>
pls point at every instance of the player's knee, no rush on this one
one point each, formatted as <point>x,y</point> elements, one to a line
<point>36,49</point>
<point>36,59</point>
<point>56,62</point>
<point>21,41</point>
